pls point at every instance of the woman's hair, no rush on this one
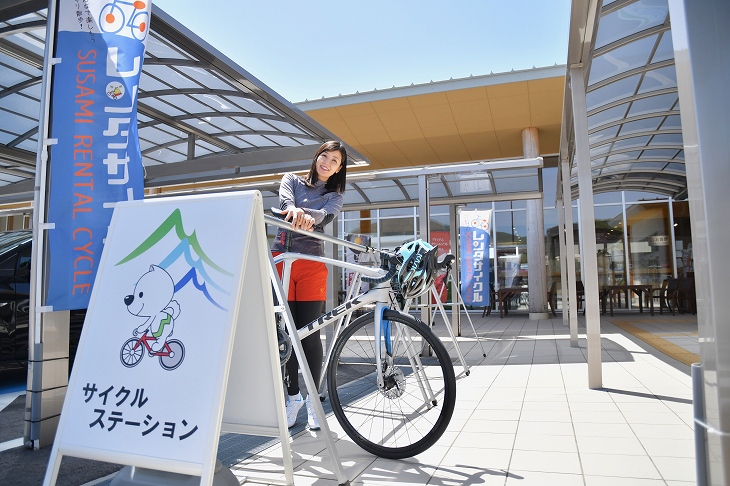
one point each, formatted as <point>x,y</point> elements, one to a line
<point>337,181</point>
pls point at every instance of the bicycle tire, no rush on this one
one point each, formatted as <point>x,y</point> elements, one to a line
<point>176,357</point>
<point>131,354</point>
<point>396,422</point>
<point>111,19</point>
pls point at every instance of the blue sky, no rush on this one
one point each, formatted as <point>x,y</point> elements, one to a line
<point>309,49</point>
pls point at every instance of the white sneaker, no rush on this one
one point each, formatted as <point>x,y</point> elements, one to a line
<point>293,404</point>
<point>311,416</point>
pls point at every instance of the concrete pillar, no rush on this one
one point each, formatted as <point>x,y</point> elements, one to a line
<point>537,283</point>
<point>701,38</point>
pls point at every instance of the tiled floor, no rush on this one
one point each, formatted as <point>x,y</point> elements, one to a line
<point>525,415</point>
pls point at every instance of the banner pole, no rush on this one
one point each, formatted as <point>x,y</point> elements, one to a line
<point>31,437</point>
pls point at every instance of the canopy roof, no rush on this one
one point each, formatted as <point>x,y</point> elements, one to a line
<point>203,120</point>
<point>471,182</point>
<point>634,128</point>
<point>200,116</point>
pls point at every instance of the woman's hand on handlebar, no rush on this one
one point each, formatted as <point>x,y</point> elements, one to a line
<point>299,219</point>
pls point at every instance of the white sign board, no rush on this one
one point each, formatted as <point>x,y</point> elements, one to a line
<point>154,363</point>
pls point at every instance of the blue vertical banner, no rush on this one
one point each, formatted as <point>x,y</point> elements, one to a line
<point>95,159</point>
<point>474,230</point>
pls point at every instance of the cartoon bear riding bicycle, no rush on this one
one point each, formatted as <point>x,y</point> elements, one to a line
<point>153,298</point>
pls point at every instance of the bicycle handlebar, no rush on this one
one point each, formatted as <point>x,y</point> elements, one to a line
<point>278,220</point>
<point>388,259</point>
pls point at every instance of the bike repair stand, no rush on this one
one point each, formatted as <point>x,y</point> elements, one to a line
<point>458,302</point>
<point>283,309</point>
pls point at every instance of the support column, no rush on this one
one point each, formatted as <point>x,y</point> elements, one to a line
<point>569,252</point>
<point>454,243</point>
<point>589,265</point>
<point>424,229</point>
<point>701,38</point>
<point>537,283</point>
<point>48,366</point>
<point>48,331</point>
<point>563,251</point>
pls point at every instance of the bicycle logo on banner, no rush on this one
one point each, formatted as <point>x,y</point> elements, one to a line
<point>118,14</point>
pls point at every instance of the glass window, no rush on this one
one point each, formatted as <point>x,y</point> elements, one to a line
<point>662,78</point>
<point>632,196</point>
<point>552,249</point>
<point>606,116</point>
<point>622,59</point>
<point>511,234</point>
<point>396,231</point>
<point>683,239</point>
<point>634,17</point>
<point>615,91</point>
<point>549,186</point>
<point>610,245</point>
<point>650,243</point>
<point>665,51</point>
<point>653,104</point>
<point>602,135</point>
<point>390,212</point>
<point>506,205</point>
<point>607,197</point>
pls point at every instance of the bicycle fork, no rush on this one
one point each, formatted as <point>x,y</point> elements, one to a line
<point>385,338</point>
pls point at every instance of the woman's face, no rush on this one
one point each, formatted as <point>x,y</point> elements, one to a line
<point>328,163</point>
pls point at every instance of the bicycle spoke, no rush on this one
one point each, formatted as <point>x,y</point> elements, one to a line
<point>399,420</point>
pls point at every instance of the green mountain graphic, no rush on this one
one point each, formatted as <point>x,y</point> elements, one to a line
<point>173,222</point>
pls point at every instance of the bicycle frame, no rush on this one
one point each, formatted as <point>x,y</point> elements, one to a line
<point>381,295</point>
<point>143,341</point>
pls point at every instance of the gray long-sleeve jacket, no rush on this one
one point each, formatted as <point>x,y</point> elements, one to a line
<point>321,205</point>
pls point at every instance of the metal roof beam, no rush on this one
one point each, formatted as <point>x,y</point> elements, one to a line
<point>253,163</point>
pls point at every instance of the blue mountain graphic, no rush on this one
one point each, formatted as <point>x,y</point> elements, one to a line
<point>183,249</point>
<point>192,276</point>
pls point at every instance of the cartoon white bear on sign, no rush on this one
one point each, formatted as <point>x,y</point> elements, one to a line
<point>153,298</point>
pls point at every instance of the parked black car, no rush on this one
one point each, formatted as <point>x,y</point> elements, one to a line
<point>15,259</point>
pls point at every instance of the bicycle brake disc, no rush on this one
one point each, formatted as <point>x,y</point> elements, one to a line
<point>394,383</point>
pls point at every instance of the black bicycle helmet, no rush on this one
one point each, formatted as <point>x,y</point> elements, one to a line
<point>418,270</point>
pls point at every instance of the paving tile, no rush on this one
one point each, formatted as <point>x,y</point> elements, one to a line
<point>449,475</point>
<point>676,468</point>
<point>542,461</point>
<point>537,478</point>
<point>493,459</point>
<point>669,447</point>
<point>619,465</point>
<point>547,443</point>
<point>616,481</point>
<point>545,428</point>
<point>609,445</point>
<point>525,416</point>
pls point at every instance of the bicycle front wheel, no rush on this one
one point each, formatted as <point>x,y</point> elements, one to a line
<point>412,409</point>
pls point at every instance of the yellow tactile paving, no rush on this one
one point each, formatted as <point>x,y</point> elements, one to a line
<point>654,340</point>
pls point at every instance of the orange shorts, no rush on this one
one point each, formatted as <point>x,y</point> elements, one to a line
<point>308,280</point>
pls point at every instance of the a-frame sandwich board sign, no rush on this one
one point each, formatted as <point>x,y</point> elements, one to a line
<point>179,341</point>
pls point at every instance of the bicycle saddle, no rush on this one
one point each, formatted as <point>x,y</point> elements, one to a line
<point>444,261</point>
<point>278,213</point>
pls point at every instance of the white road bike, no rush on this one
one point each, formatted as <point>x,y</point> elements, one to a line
<point>389,378</point>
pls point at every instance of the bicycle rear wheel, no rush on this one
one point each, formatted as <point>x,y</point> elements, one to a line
<point>413,409</point>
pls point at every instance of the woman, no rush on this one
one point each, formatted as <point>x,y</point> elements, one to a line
<point>310,203</point>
